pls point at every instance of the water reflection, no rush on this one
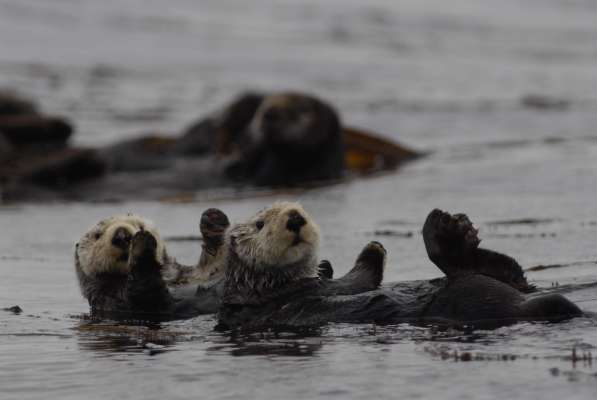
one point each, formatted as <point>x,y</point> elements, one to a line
<point>303,343</point>
<point>111,337</point>
<point>108,337</point>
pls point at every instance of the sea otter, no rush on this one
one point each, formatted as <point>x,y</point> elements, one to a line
<point>123,267</point>
<point>111,260</point>
<point>291,139</point>
<point>271,280</point>
<point>280,139</point>
<point>278,248</point>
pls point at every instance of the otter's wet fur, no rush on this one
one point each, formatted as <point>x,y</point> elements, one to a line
<point>100,250</point>
<point>103,260</point>
<point>482,288</point>
<point>123,267</point>
<point>277,246</point>
<point>292,139</point>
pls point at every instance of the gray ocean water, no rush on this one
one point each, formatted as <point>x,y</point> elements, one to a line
<point>449,78</point>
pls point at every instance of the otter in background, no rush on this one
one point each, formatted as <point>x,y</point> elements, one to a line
<point>292,139</point>
<point>288,139</point>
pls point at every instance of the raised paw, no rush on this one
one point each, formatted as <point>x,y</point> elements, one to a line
<point>447,229</point>
<point>142,252</point>
<point>459,226</point>
<point>366,274</point>
<point>373,254</point>
<point>325,270</point>
<point>449,239</point>
<point>213,226</point>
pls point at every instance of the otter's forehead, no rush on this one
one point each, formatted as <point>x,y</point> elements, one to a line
<point>287,100</point>
<point>128,219</point>
<point>279,100</point>
<point>279,208</point>
<point>271,216</point>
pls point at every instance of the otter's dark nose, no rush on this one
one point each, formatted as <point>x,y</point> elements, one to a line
<point>295,221</point>
<point>121,238</point>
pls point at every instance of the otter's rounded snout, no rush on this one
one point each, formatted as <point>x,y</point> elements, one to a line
<point>122,238</point>
<point>295,221</point>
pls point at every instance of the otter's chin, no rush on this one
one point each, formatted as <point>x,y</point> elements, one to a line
<point>296,241</point>
<point>122,265</point>
<point>299,253</point>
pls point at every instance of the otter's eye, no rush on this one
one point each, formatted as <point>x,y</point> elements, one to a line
<point>259,224</point>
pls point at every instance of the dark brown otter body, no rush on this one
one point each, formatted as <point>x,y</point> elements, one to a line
<point>482,287</point>
<point>291,139</point>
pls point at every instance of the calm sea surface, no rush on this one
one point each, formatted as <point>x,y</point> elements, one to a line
<point>448,78</point>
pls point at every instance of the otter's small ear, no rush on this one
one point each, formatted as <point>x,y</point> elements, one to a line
<point>97,235</point>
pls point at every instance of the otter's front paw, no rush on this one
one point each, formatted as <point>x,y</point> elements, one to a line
<point>373,256</point>
<point>325,270</point>
<point>369,267</point>
<point>444,232</point>
<point>213,226</point>
<point>142,253</point>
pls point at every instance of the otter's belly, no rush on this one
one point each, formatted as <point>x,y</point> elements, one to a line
<point>392,303</point>
<point>474,299</point>
<point>191,300</point>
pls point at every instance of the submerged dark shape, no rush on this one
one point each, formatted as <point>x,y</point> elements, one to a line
<point>269,140</point>
<point>544,103</point>
<point>34,153</point>
<point>481,288</point>
<point>14,309</point>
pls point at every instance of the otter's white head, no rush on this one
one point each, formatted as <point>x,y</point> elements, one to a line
<point>279,236</point>
<point>105,247</point>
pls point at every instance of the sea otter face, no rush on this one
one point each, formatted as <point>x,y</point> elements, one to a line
<point>278,236</point>
<point>105,248</point>
<point>293,120</point>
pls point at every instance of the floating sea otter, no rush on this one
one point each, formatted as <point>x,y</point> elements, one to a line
<point>123,268</point>
<point>271,279</point>
<point>281,139</point>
